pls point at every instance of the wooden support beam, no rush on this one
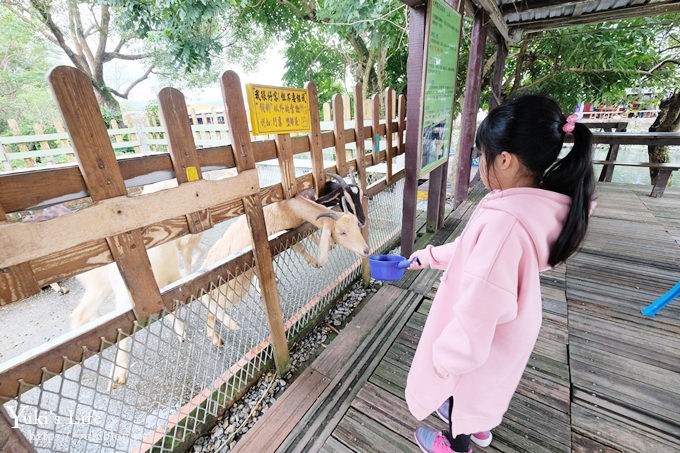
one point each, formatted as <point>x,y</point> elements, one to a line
<point>414,67</point>
<point>497,77</point>
<point>359,131</point>
<point>494,13</point>
<point>468,125</point>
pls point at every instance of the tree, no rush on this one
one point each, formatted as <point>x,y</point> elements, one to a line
<point>23,92</point>
<point>324,39</point>
<point>94,33</point>
<point>600,62</point>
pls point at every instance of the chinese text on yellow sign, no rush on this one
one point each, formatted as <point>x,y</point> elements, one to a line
<point>275,110</point>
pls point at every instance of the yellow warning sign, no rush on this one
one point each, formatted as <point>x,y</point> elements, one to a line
<point>277,110</point>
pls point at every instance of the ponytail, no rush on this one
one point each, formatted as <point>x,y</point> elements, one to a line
<point>573,176</point>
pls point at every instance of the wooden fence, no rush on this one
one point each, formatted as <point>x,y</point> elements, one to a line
<point>141,134</point>
<point>117,227</point>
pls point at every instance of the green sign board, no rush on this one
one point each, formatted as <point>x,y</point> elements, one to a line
<point>439,83</point>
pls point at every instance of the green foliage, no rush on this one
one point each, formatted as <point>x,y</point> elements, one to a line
<point>597,62</point>
<point>24,95</point>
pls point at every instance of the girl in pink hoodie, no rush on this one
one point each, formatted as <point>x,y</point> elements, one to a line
<point>487,312</point>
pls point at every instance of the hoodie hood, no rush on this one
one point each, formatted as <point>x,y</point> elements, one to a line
<point>541,212</point>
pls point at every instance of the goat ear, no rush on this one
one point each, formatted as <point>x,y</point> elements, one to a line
<point>324,244</point>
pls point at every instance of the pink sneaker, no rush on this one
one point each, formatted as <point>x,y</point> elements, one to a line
<point>431,441</point>
<point>483,438</point>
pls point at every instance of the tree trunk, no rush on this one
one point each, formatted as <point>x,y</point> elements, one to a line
<point>668,120</point>
<point>105,98</point>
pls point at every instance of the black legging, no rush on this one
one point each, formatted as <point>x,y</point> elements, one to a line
<point>460,443</point>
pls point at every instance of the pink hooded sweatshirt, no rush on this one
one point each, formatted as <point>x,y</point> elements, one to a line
<point>487,312</point>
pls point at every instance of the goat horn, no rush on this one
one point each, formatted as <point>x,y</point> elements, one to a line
<point>338,178</point>
<point>332,215</point>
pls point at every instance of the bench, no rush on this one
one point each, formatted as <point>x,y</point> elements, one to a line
<point>665,171</point>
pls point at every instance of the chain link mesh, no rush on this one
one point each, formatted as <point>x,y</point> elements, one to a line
<point>177,379</point>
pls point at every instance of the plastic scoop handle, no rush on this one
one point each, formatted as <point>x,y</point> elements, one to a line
<point>406,263</point>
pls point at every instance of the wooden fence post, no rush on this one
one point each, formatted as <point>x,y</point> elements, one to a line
<point>401,123</point>
<point>97,162</point>
<point>14,127</point>
<point>388,134</point>
<point>376,124</point>
<point>326,111</point>
<point>315,139</point>
<point>252,205</point>
<point>339,132</point>
<point>346,107</point>
<point>37,127</point>
<point>175,120</point>
<point>361,169</point>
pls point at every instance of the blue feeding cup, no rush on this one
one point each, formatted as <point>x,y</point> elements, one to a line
<point>388,267</point>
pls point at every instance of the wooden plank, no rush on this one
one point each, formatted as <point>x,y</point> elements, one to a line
<point>375,120</point>
<point>401,123</point>
<point>541,422</point>
<point>284,152</point>
<point>315,139</point>
<point>359,131</point>
<point>339,133</point>
<point>175,120</point>
<point>20,242</point>
<point>618,432</point>
<point>278,421</point>
<point>319,424</point>
<point>362,433</point>
<point>389,97</point>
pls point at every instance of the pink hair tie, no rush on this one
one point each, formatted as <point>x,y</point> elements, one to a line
<point>569,126</point>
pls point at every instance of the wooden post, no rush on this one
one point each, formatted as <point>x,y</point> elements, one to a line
<point>59,127</point>
<point>361,169</point>
<point>401,123</point>
<point>175,119</point>
<point>14,127</point>
<point>389,155</point>
<point>414,65</point>
<point>252,205</point>
<point>284,152</point>
<point>608,170</point>
<point>498,69</point>
<point>346,107</point>
<point>326,111</point>
<point>44,145</point>
<point>375,125</point>
<point>315,147</point>
<point>339,132</point>
<point>97,162</point>
<point>470,106</point>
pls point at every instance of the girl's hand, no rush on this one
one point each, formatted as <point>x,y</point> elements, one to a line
<point>417,260</point>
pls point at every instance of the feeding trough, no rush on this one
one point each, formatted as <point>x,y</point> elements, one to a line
<point>388,267</point>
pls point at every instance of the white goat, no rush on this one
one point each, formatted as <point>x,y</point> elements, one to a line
<point>105,281</point>
<point>343,228</point>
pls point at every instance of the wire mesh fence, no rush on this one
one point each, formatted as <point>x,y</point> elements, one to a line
<point>178,375</point>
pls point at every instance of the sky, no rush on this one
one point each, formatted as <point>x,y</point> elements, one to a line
<point>269,72</point>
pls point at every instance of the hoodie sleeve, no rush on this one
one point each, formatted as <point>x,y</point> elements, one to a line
<point>485,296</point>
<point>437,257</point>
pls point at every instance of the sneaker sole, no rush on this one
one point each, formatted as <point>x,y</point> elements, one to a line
<point>482,443</point>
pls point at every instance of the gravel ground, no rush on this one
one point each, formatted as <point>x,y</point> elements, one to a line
<point>248,410</point>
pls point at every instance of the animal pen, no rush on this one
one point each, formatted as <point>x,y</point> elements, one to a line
<point>58,398</point>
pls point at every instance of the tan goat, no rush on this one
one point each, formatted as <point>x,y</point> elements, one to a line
<point>343,228</point>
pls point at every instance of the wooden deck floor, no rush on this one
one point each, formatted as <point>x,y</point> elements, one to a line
<point>602,376</point>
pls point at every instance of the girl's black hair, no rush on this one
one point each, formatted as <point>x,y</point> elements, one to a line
<point>530,127</point>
